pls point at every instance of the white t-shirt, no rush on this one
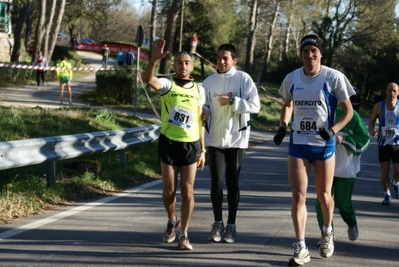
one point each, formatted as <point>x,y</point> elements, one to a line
<point>314,99</point>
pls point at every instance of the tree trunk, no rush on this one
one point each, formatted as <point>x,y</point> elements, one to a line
<point>28,29</point>
<point>153,24</point>
<point>56,27</point>
<point>48,27</point>
<point>269,43</point>
<point>23,12</point>
<point>169,35</point>
<point>287,39</point>
<point>40,28</point>
<point>249,58</point>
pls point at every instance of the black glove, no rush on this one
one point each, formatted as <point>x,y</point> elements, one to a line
<point>326,134</point>
<point>278,138</point>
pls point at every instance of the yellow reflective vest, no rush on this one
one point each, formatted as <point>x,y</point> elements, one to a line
<point>63,73</point>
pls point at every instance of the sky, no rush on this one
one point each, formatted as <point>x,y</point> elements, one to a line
<point>138,5</point>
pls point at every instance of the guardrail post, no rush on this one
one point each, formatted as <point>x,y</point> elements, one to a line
<point>122,158</point>
<point>50,173</point>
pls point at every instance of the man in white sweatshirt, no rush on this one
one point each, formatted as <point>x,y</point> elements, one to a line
<point>231,96</point>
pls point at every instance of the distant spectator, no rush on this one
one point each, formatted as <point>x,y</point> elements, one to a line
<point>121,57</point>
<point>356,99</point>
<point>73,42</point>
<point>105,54</point>
<point>130,58</point>
<point>40,61</point>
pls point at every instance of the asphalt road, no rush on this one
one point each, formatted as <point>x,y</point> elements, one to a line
<point>126,229</point>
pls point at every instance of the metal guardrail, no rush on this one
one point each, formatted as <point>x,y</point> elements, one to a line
<point>49,149</point>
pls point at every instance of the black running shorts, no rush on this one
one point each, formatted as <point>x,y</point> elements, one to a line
<point>388,153</point>
<point>178,153</point>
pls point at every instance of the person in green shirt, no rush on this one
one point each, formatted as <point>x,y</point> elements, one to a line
<point>351,142</point>
<point>64,76</point>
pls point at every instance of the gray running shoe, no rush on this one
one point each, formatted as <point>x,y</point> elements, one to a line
<point>387,200</point>
<point>170,233</point>
<point>229,234</point>
<point>326,248</point>
<point>353,233</point>
<point>216,232</point>
<point>300,256</point>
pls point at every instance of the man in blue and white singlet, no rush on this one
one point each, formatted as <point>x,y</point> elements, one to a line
<point>311,94</point>
<point>387,112</point>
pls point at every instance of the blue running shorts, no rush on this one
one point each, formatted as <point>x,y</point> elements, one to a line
<point>311,153</point>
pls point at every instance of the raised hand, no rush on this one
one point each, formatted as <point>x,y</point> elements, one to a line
<point>157,49</point>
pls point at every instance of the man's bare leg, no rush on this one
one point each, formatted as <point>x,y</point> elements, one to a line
<point>324,170</point>
<point>169,184</point>
<point>298,170</point>
<point>187,191</point>
<point>61,91</point>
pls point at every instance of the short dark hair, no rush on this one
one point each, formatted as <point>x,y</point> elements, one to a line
<point>229,47</point>
<point>183,53</point>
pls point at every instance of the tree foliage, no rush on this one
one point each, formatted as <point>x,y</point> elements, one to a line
<point>360,36</point>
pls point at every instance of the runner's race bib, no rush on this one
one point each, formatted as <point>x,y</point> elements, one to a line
<point>307,125</point>
<point>181,117</point>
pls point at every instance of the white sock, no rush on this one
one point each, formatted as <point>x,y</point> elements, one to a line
<point>183,234</point>
<point>301,243</point>
<point>327,229</point>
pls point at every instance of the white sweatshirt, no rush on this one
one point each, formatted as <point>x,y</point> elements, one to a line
<point>229,126</point>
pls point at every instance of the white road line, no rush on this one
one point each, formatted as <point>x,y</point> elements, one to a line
<point>73,211</point>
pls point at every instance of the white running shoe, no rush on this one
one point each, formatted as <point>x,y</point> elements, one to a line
<point>300,256</point>
<point>170,233</point>
<point>326,248</point>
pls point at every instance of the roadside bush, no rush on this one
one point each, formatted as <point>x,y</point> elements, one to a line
<point>59,51</point>
<point>115,87</point>
<point>10,76</point>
